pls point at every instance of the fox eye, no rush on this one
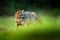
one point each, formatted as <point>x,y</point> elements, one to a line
<point>21,14</point>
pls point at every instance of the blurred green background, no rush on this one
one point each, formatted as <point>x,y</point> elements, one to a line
<point>49,14</point>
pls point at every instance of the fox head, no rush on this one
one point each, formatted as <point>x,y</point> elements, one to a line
<point>18,13</point>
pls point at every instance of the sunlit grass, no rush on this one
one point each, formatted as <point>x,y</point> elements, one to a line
<point>10,22</point>
<point>8,30</point>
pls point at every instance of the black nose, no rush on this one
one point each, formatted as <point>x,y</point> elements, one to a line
<point>22,15</point>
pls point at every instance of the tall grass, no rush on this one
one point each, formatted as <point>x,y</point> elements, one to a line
<point>39,31</point>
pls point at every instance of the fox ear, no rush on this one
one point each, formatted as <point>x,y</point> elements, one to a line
<point>22,10</point>
<point>18,11</point>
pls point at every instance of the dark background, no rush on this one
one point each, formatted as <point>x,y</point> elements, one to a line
<point>9,7</point>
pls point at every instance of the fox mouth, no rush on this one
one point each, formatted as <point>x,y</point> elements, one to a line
<point>22,16</point>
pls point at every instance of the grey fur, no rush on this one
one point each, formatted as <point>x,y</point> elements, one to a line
<point>27,16</point>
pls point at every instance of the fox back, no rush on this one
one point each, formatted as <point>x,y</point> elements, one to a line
<point>27,16</point>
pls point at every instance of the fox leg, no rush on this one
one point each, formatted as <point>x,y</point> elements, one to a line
<point>24,24</point>
<point>17,25</point>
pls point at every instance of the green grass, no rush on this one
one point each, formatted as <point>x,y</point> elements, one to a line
<point>8,30</point>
